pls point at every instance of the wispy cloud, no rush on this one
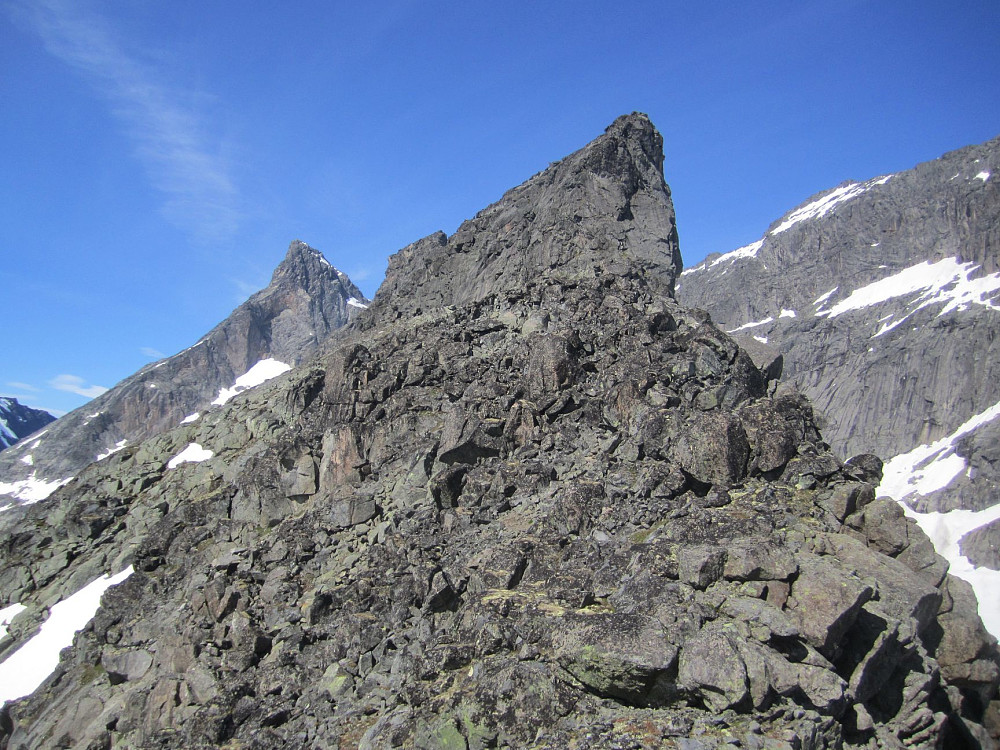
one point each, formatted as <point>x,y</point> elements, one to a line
<point>24,386</point>
<point>149,351</point>
<point>246,289</point>
<point>76,384</point>
<point>167,131</point>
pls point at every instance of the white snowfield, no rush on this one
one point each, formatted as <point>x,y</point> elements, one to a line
<point>30,490</point>
<point>259,373</point>
<point>191,418</point>
<point>24,670</point>
<point>355,302</point>
<point>827,203</point>
<point>747,251</point>
<point>946,282</point>
<point>193,453</point>
<point>928,468</point>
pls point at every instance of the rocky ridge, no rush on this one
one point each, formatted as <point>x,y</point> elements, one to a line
<point>883,300</point>
<point>305,301</point>
<point>522,506</point>
<point>17,421</point>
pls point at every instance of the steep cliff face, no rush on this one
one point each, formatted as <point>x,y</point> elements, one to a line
<point>17,421</point>
<point>883,298</point>
<point>285,322</point>
<point>509,507</point>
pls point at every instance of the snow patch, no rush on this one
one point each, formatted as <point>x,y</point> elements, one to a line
<point>259,373</point>
<point>747,251</point>
<point>761,339</point>
<point>984,176</point>
<point>928,468</point>
<point>32,489</point>
<point>28,459</point>
<point>754,324</point>
<point>118,446</point>
<point>353,302</point>
<point>786,313</point>
<point>827,203</point>
<point>191,418</point>
<point>193,453</point>
<point>818,302</point>
<point>945,282</point>
<point>23,671</point>
<point>946,531</point>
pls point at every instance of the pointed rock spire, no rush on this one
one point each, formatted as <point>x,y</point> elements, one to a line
<point>604,209</point>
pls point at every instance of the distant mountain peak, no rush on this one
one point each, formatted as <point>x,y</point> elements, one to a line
<point>17,421</point>
<point>307,299</point>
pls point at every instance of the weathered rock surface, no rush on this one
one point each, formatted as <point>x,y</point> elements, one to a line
<point>515,507</point>
<point>306,300</point>
<point>17,421</point>
<point>882,300</point>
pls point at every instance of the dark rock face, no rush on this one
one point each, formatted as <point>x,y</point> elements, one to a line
<point>306,300</point>
<point>556,510</point>
<point>17,421</point>
<point>895,288</point>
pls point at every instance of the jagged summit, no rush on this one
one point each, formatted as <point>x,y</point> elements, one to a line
<point>303,266</point>
<point>602,210</point>
<point>306,300</point>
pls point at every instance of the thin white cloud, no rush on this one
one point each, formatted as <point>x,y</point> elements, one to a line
<point>359,274</point>
<point>151,352</point>
<point>246,289</point>
<point>24,386</point>
<point>179,159</point>
<point>76,384</point>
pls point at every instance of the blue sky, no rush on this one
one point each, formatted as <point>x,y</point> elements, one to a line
<point>159,157</point>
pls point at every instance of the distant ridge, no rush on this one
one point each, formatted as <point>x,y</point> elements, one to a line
<point>307,299</point>
<point>18,421</point>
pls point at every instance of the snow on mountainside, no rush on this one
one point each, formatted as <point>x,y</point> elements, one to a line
<point>17,421</point>
<point>278,327</point>
<point>895,288</point>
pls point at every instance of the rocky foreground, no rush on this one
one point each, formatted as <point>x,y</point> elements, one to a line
<point>525,500</point>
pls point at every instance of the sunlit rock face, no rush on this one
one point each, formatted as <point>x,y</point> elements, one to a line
<point>525,500</point>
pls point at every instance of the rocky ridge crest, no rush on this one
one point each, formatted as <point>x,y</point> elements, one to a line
<point>543,510</point>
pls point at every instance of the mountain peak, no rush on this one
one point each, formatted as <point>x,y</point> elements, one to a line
<point>604,209</point>
<point>305,302</point>
<point>301,263</point>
